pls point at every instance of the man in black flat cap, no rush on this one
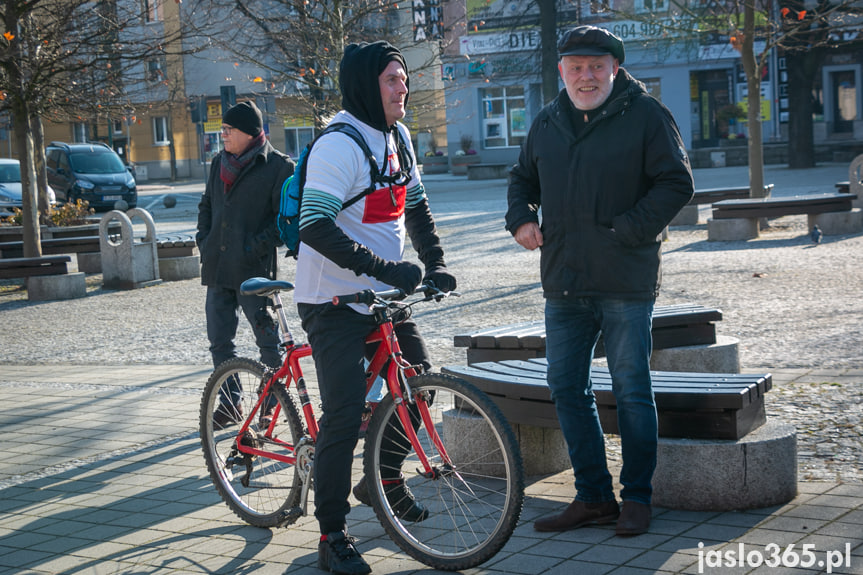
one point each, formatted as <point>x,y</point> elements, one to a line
<point>237,238</point>
<point>605,164</point>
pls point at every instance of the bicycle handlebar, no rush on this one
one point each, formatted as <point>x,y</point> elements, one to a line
<point>369,297</point>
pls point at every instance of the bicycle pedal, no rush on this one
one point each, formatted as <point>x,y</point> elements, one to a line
<point>290,516</point>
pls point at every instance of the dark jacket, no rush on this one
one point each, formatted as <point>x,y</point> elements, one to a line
<point>237,233</point>
<point>606,193</point>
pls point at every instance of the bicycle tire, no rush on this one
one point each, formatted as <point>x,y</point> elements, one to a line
<point>260,491</point>
<point>472,510</point>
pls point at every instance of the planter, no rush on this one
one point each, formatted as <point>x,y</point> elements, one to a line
<point>435,164</point>
<point>459,164</point>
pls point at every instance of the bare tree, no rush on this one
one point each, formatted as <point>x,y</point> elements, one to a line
<point>68,60</point>
<point>300,42</point>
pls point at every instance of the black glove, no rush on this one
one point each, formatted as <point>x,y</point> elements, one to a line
<point>403,275</point>
<point>441,278</point>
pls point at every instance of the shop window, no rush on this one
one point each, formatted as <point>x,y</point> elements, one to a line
<point>504,122</point>
<point>296,139</point>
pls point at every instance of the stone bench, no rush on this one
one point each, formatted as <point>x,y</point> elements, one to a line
<point>684,339</point>
<point>833,213</point>
<point>179,258</point>
<point>688,215</point>
<point>488,171</point>
<point>712,422</point>
<point>47,277</point>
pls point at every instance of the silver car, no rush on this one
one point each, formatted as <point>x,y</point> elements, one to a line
<point>10,187</point>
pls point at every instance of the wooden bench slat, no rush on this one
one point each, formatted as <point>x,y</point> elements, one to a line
<point>175,245</point>
<point>712,195</point>
<point>11,268</point>
<point>784,206</point>
<point>698,405</point>
<point>674,325</point>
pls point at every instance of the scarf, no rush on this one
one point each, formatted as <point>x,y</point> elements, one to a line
<point>232,165</point>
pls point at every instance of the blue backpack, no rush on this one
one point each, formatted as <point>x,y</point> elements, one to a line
<point>288,221</point>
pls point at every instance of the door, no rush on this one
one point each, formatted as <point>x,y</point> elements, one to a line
<point>712,92</point>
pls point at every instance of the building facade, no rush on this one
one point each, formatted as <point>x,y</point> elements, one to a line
<point>173,128</point>
<point>491,72</point>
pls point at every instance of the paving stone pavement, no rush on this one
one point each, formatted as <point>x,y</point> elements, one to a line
<point>102,472</point>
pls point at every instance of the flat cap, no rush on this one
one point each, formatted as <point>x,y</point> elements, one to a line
<point>590,41</point>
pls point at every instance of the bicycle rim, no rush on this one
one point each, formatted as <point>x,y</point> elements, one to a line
<point>472,507</point>
<point>258,489</point>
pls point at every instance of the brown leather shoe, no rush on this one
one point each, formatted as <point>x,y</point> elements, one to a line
<point>634,519</point>
<point>578,514</point>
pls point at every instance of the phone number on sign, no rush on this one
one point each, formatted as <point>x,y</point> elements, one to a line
<point>774,556</point>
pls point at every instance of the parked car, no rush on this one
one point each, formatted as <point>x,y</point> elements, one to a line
<point>92,172</point>
<point>10,187</point>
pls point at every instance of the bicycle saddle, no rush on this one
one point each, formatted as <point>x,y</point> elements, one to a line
<point>264,286</point>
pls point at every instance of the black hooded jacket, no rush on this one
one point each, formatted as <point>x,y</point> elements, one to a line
<point>606,190</point>
<point>359,72</point>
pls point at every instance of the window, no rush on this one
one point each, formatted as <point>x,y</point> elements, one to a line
<point>504,122</point>
<point>153,10</point>
<point>651,5</point>
<point>118,126</point>
<point>599,6</point>
<point>155,71</point>
<point>296,139</point>
<point>160,131</point>
<point>79,133</point>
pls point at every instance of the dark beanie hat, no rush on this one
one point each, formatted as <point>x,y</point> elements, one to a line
<point>246,117</point>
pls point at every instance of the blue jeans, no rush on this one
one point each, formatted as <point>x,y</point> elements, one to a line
<point>572,328</point>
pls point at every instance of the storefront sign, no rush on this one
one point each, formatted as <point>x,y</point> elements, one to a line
<point>427,17</point>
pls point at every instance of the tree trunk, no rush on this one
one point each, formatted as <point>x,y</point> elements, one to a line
<point>548,42</point>
<point>753,99</point>
<point>32,247</point>
<point>41,172</point>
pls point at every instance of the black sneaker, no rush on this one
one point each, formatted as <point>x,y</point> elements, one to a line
<point>225,416</point>
<point>401,499</point>
<point>337,554</point>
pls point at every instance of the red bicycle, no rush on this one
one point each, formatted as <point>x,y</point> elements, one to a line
<point>463,463</point>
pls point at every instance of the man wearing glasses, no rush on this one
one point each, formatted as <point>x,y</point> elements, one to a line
<point>237,234</point>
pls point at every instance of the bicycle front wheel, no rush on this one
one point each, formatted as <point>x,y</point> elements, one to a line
<point>260,489</point>
<point>465,510</point>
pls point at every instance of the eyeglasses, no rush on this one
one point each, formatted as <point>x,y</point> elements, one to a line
<point>226,130</point>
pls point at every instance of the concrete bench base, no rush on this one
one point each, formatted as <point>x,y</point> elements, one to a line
<point>758,470</point>
<point>720,357</point>
<point>182,268</point>
<point>837,223</point>
<point>90,262</point>
<point>732,229</point>
<point>57,287</point>
<point>687,216</point>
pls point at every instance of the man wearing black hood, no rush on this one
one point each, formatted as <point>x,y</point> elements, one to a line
<point>606,163</point>
<point>353,249</point>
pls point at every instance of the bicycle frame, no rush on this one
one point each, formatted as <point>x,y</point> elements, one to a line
<point>398,370</point>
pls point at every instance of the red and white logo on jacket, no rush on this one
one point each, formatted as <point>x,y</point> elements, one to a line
<point>387,203</point>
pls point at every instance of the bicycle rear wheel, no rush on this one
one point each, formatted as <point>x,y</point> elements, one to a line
<point>261,490</point>
<point>474,504</point>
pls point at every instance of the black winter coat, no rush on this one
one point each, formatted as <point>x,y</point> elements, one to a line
<point>237,234</point>
<point>605,194</point>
